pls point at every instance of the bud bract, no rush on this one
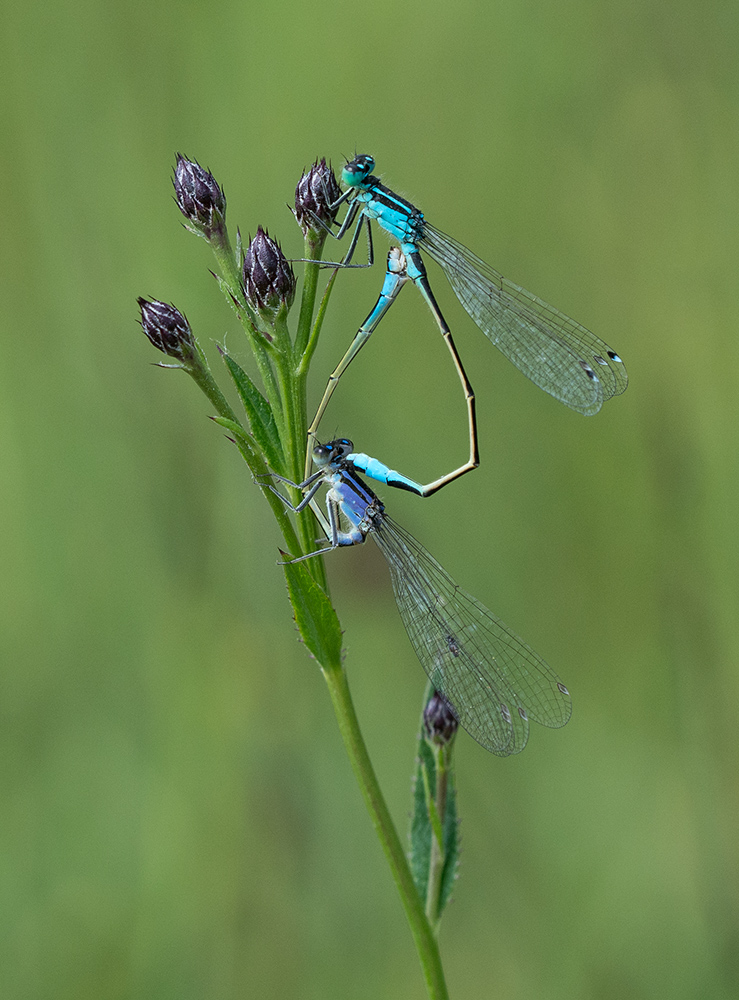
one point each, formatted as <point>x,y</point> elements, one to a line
<point>317,190</point>
<point>199,197</point>
<point>167,329</point>
<point>269,281</point>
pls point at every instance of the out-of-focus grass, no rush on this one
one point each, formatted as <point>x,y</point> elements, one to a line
<point>178,816</point>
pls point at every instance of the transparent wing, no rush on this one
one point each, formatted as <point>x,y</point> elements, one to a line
<point>494,682</point>
<point>559,355</point>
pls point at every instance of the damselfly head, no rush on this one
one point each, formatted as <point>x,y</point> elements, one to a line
<point>356,172</point>
<point>332,452</point>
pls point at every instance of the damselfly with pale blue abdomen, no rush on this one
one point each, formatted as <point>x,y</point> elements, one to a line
<point>559,355</point>
<point>494,683</point>
<point>396,276</point>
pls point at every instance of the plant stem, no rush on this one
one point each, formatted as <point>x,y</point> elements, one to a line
<point>201,374</point>
<point>423,935</point>
<point>313,250</point>
<point>283,365</point>
<point>313,338</point>
<point>294,433</point>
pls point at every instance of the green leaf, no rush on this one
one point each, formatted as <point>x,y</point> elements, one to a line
<point>238,432</point>
<point>451,845</point>
<point>259,412</point>
<point>425,824</point>
<point>315,617</point>
<point>421,828</point>
<point>226,289</point>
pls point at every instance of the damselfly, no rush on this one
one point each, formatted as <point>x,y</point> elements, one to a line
<point>559,355</point>
<point>492,680</point>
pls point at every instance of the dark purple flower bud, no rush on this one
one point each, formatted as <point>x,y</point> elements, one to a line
<point>439,720</point>
<point>167,329</point>
<point>269,281</point>
<point>199,196</point>
<point>316,192</point>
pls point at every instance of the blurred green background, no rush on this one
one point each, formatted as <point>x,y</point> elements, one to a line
<point>179,819</point>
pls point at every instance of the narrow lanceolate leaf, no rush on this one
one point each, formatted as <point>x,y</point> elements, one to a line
<point>425,821</point>
<point>238,307</point>
<point>421,828</point>
<point>259,412</point>
<point>226,289</point>
<point>451,845</point>
<point>315,617</point>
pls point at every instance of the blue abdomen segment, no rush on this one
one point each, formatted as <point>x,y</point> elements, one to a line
<point>395,278</point>
<point>382,474</point>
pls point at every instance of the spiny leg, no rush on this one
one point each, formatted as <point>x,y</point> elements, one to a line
<point>314,482</point>
<point>346,262</point>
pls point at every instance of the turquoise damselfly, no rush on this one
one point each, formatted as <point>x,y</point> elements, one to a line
<point>494,682</point>
<point>558,354</point>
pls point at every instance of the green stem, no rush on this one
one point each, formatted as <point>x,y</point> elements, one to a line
<point>313,250</point>
<point>423,936</point>
<point>293,383</point>
<point>313,339</point>
<point>200,372</point>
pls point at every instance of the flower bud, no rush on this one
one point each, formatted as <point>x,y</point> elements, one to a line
<point>269,281</point>
<point>167,329</point>
<point>199,197</point>
<point>316,192</point>
<point>439,720</point>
